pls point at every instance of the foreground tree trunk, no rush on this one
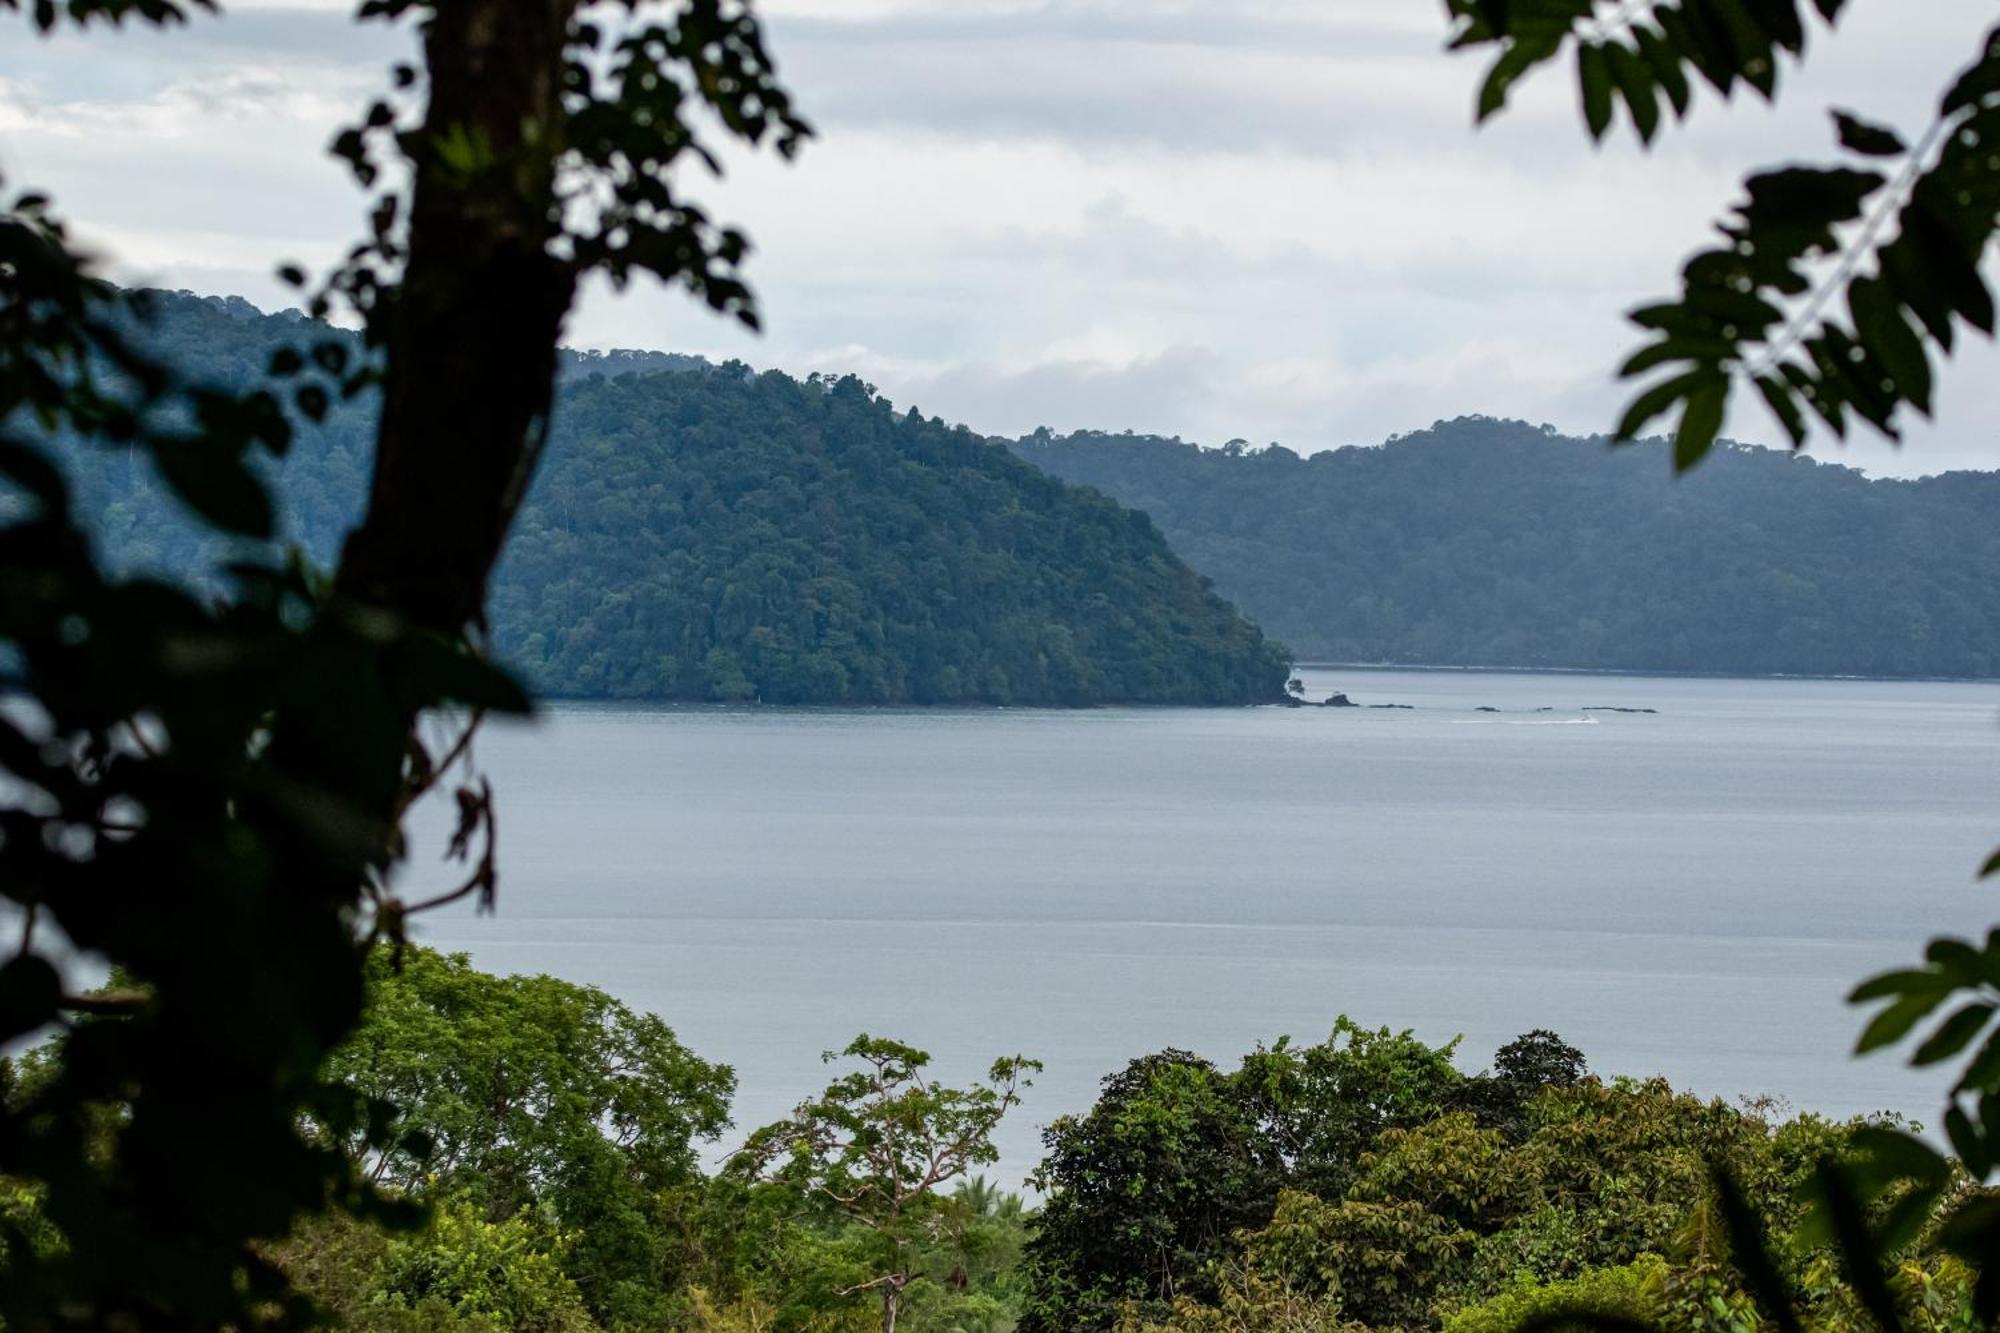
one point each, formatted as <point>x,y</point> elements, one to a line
<point>470,340</point>
<point>472,337</point>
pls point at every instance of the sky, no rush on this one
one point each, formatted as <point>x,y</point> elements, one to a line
<point>1261,219</point>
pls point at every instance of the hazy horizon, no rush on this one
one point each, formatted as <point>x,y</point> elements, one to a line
<point>1394,437</point>
<point>1274,223</point>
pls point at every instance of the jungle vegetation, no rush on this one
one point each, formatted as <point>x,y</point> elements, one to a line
<point>205,788</point>
<point>579,1171</point>
<point>705,533</point>
<point>1481,542</point>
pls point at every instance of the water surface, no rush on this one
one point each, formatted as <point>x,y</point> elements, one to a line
<point>1688,892</point>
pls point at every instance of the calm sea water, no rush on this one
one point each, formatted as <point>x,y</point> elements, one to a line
<point>1688,892</point>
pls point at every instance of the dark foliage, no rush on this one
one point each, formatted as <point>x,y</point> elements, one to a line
<point>1830,286</point>
<point>1492,543</point>
<point>1146,1192</point>
<point>1901,250</point>
<point>1522,1069</point>
<point>202,788</point>
<point>1143,1191</point>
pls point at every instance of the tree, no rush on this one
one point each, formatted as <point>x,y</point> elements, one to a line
<point>208,792</point>
<point>460,1273</point>
<point>1755,308</point>
<point>877,1147</point>
<point>1806,241</point>
<point>1443,1216</point>
<point>1145,1194</point>
<point>1480,541</point>
<point>708,533</point>
<point>532,1093</point>
<point>1321,1106</point>
<point>1522,1069</point>
<point>1142,1191</point>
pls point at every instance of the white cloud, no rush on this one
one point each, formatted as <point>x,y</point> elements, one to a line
<point>1266,218</point>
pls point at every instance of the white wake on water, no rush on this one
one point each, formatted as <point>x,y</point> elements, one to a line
<point>1524,721</point>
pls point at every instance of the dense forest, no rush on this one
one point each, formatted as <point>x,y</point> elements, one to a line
<point>1494,543</point>
<point>701,532</point>
<point>579,1172</point>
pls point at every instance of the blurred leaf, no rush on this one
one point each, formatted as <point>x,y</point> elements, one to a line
<point>1894,1023</point>
<point>1859,136</point>
<point>30,989</point>
<point>1700,422</point>
<point>1751,1250</point>
<point>1860,1256</point>
<point>218,487</point>
<point>1593,74</point>
<point>1954,1034</point>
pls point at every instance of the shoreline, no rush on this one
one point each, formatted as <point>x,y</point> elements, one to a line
<point>1638,673</point>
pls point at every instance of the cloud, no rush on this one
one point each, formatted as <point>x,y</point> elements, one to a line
<point>1212,218</point>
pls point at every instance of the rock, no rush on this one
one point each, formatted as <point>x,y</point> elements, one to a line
<point>1484,709</point>
<point>1338,701</point>
<point>1607,708</point>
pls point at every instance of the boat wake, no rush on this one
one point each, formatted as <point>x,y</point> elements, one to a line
<point>1524,721</point>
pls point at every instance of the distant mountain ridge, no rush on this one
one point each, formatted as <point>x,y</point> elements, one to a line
<point>704,532</point>
<point>1482,542</point>
<point>789,564</point>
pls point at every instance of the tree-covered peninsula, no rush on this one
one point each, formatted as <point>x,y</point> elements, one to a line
<point>701,532</point>
<point>1495,543</point>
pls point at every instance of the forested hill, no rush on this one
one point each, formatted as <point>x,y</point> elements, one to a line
<point>1484,542</point>
<point>703,533</point>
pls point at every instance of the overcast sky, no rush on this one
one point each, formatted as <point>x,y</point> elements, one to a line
<point>1209,218</point>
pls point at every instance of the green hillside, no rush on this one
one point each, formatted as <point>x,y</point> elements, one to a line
<point>1493,543</point>
<point>705,533</point>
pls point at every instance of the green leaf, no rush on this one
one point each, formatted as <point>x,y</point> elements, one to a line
<point>1983,1074</point>
<point>1593,75</point>
<point>1953,273</point>
<point>1861,1256</point>
<point>1701,420</point>
<point>1751,1247</point>
<point>1880,325</point>
<point>1971,1230</point>
<point>1859,136</point>
<point>1956,960</point>
<point>1906,981</point>
<point>1780,18</point>
<point>1779,397</point>
<point>1954,1034</point>
<point>444,673</point>
<point>1512,64</point>
<point>1979,81</point>
<point>1753,52</point>
<point>1894,1023</point>
<point>1966,1142</point>
<point>1666,66</point>
<point>1635,84</point>
<point>1678,347</point>
<point>1904,268</point>
<point>1657,400</point>
<point>30,990</point>
<point>218,487</point>
<point>1885,1157</point>
<point>1907,1217</point>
